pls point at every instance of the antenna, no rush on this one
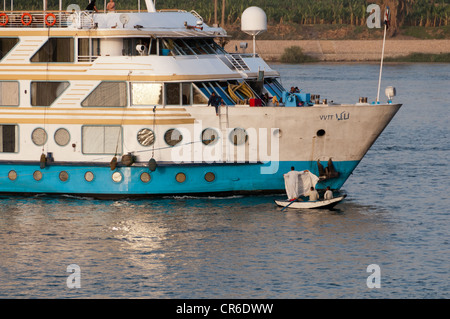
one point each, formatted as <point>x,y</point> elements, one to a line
<point>254,22</point>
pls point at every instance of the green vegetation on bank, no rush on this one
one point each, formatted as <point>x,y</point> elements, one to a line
<point>295,55</point>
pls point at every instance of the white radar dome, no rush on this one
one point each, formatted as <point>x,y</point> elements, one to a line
<point>253,21</point>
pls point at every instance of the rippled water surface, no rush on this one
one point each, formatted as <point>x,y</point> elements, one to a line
<point>396,215</point>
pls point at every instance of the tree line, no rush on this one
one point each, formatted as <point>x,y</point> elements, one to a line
<point>430,13</point>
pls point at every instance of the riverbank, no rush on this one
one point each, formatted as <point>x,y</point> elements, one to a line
<point>343,50</point>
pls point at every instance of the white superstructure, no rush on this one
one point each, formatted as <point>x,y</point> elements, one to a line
<point>117,104</point>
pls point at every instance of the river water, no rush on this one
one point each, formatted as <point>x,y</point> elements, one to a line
<point>396,217</point>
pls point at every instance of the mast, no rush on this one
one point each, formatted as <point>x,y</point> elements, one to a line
<point>386,25</point>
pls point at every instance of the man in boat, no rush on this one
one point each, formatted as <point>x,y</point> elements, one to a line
<point>313,194</point>
<point>328,194</point>
<point>292,180</point>
<point>91,6</point>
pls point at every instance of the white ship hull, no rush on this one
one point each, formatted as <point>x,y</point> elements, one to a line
<point>148,111</point>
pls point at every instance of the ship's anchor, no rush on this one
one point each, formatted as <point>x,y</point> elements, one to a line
<point>327,172</point>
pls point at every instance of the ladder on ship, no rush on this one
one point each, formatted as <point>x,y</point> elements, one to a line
<point>223,126</point>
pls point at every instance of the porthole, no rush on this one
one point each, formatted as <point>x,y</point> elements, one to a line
<point>146,137</point>
<point>62,137</point>
<point>63,176</point>
<point>276,132</point>
<point>238,136</point>
<point>39,136</point>
<point>117,177</point>
<point>89,176</point>
<point>37,175</point>
<point>12,175</point>
<point>320,132</point>
<point>209,136</point>
<point>173,137</point>
<point>180,177</point>
<point>145,177</point>
<point>210,177</point>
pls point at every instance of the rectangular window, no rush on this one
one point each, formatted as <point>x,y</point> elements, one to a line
<point>198,97</point>
<point>131,46</point>
<point>9,141</point>
<point>102,139</point>
<point>186,93</point>
<point>172,93</point>
<point>108,94</point>
<point>146,93</point>
<point>55,50</point>
<point>9,93</point>
<point>45,93</point>
<point>6,45</point>
<point>88,49</point>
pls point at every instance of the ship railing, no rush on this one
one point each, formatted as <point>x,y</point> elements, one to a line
<point>84,20</point>
<point>87,58</point>
<point>195,14</point>
<point>245,55</point>
<point>235,62</point>
<point>35,19</point>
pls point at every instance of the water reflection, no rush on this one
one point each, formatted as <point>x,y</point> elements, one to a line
<point>245,247</point>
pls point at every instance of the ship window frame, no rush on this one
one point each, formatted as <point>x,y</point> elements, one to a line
<point>35,99</point>
<point>35,137</point>
<point>198,95</point>
<point>93,48</point>
<point>132,96</point>
<point>71,51</point>
<point>10,49</point>
<point>18,93</point>
<point>139,134</point>
<point>129,46</point>
<point>181,91</point>
<point>240,139</point>
<point>209,142</point>
<point>57,140</point>
<point>124,101</point>
<point>185,46</point>
<point>16,138</point>
<point>172,141</point>
<point>105,151</point>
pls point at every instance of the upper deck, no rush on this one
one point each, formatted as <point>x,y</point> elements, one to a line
<point>161,46</point>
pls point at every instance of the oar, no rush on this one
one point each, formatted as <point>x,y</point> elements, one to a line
<point>288,204</point>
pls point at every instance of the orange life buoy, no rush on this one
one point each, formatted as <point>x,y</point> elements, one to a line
<point>6,19</point>
<point>50,24</point>
<point>26,14</point>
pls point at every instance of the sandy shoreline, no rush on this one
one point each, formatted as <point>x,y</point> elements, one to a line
<point>343,50</point>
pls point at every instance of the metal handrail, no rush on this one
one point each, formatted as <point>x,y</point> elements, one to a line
<point>21,19</point>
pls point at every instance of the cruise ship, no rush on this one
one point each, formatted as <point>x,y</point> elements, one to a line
<point>109,104</point>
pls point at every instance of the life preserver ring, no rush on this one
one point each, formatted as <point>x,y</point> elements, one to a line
<point>50,24</point>
<point>26,14</point>
<point>6,19</point>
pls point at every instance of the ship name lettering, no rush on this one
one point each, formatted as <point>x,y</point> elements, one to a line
<point>343,116</point>
<point>326,117</point>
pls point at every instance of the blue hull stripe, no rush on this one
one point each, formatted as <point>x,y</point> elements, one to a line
<point>227,178</point>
